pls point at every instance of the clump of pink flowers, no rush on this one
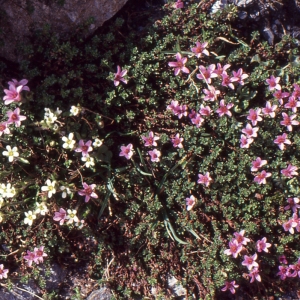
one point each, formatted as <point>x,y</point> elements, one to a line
<point>36,256</point>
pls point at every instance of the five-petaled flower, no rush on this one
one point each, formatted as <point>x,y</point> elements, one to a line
<point>177,141</point>
<point>4,128</point>
<point>239,237</point>
<point>234,248</point>
<point>30,216</point>
<point>254,274</point>
<point>288,121</point>
<point>13,94</point>
<point>273,83</point>
<point>15,117</point>
<point>269,109</point>
<point>154,155</point>
<point>250,261</point>
<point>262,245</point>
<point>60,216</point>
<point>22,83</point>
<point>68,141</point>
<point>178,4</point>
<point>231,286</point>
<point>119,76</point>
<point>30,257</point>
<point>293,104</point>
<point>281,140</point>
<point>292,204</point>
<point>190,202</point>
<point>200,48</point>
<point>224,109</point>
<point>250,131</point>
<point>257,163</point>
<point>150,140</point>
<point>254,116</point>
<point>204,179</point>
<point>39,254</point>
<point>49,187</point>
<point>245,141</point>
<point>88,192</point>
<point>260,178</point>
<point>239,76</point>
<point>207,73</point>
<point>290,171</point>
<point>179,65</point>
<point>126,151</point>
<point>84,148</point>
<point>71,217</point>
<point>11,153</point>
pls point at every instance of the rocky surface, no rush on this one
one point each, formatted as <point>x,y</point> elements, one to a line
<point>19,17</point>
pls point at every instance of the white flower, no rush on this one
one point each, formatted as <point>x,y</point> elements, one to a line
<point>41,208</point>
<point>66,191</point>
<point>74,110</point>
<point>79,224</point>
<point>47,111</point>
<point>50,118</point>
<point>29,218</point>
<point>97,143</point>
<point>71,217</point>
<point>11,153</point>
<point>89,161</point>
<point>7,191</point>
<point>69,142</point>
<point>58,111</point>
<point>50,187</point>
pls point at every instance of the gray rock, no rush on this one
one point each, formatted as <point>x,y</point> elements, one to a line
<point>101,294</point>
<point>18,17</point>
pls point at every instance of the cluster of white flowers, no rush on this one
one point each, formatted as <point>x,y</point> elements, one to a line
<point>30,216</point>
<point>50,118</point>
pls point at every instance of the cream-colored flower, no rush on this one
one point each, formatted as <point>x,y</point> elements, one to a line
<point>89,161</point>
<point>74,110</point>
<point>69,143</point>
<point>50,187</point>
<point>97,143</point>
<point>71,217</point>
<point>41,208</point>
<point>30,216</point>
<point>11,153</point>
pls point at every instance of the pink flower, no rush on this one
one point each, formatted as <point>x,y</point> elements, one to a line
<point>211,94</point>
<point>227,81</point>
<point>273,83</point>
<point>181,111</point>
<point>239,76</point>
<point>22,82</point>
<point>14,117</point>
<point>254,116</point>
<point>39,254</point>
<point>119,76</point>
<point>13,94</point>
<point>3,272</point>
<point>150,139</point>
<point>296,92</point>
<point>224,109</point>
<point>126,151</point>
<point>219,70</point>
<point>279,95</point>
<point>290,225</point>
<point>296,268</point>
<point>200,48</point>
<point>84,148</point>
<point>88,192</point>
<point>254,274</point>
<point>250,261</point>
<point>155,155</point>
<point>234,249</point>
<point>178,4</point>
<point>207,74</point>
<point>293,104</point>
<point>179,65</point>
<point>292,204</point>
<point>239,237</point>
<point>205,110</point>
<point>260,178</point>
<point>30,257</point>
<point>283,272</point>
<point>4,128</point>
<point>250,131</point>
<point>60,216</point>
<point>281,140</point>
<point>261,245</point>
<point>290,171</point>
<point>269,109</point>
<point>204,179</point>
<point>197,120</point>
<point>177,141</point>
<point>282,259</point>
<point>258,163</point>
<point>245,142</point>
<point>190,202</point>
<point>174,107</point>
<point>231,286</point>
<point>288,121</point>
